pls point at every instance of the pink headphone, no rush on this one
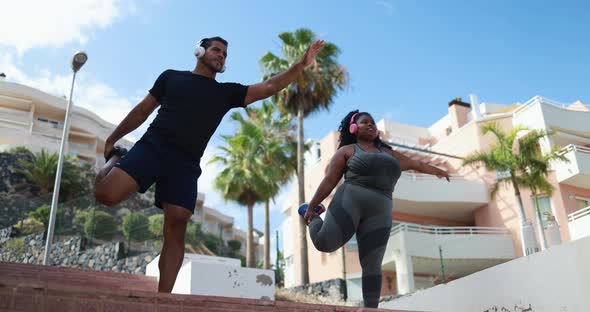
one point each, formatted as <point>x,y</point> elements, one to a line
<point>353,128</point>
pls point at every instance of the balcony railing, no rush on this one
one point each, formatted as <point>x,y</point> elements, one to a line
<point>574,148</point>
<point>578,214</point>
<point>579,223</point>
<point>448,230</point>
<point>439,230</point>
<point>539,99</point>
<point>426,177</point>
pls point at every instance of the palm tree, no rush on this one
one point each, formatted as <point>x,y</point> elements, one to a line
<point>534,168</point>
<point>312,91</point>
<point>40,170</point>
<point>500,158</point>
<point>278,148</point>
<point>242,175</point>
<point>520,156</point>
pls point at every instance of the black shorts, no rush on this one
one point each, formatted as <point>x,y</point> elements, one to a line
<point>174,170</point>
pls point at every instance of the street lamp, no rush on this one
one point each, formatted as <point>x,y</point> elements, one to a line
<point>77,62</point>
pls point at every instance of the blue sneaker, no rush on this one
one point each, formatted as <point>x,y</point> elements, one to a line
<point>319,209</point>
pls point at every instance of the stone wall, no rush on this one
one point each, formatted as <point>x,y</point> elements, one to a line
<point>5,234</point>
<point>13,183</point>
<point>71,253</point>
<point>335,289</point>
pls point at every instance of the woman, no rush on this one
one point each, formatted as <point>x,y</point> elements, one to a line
<point>362,205</point>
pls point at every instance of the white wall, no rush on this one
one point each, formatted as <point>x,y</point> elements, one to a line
<point>411,187</point>
<point>554,280</point>
<point>461,246</point>
<point>218,276</point>
<point>579,227</point>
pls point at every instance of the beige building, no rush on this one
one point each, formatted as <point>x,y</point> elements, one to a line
<point>35,119</point>
<point>215,222</point>
<point>457,222</point>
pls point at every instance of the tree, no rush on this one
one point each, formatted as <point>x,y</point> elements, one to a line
<point>241,175</point>
<point>80,218</point>
<point>156,226</point>
<point>103,223</point>
<point>502,158</point>
<point>136,227</point>
<point>40,170</point>
<point>312,91</point>
<point>20,150</point>
<point>534,168</point>
<point>42,213</point>
<point>194,235</point>
<point>275,143</point>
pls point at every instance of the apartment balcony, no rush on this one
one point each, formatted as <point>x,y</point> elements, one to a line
<point>428,195</point>
<point>576,172</point>
<point>579,223</point>
<point>465,250</point>
<point>82,149</point>
<point>48,128</point>
<point>14,118</point>
<point>217,216</point>
<point>543,113</point>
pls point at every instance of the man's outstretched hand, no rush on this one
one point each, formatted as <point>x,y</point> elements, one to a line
<point>311,52</point>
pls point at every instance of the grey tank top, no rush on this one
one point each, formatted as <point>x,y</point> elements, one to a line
<point>376,170</point>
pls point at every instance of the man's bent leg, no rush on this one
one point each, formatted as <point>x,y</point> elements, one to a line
<point>113,185</point>
<point>175,221</point>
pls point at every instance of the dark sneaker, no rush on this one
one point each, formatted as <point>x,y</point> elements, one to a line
<point>319,209</point>
<point>117,151</point>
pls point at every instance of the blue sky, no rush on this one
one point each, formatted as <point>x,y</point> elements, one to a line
<point>406,58</point>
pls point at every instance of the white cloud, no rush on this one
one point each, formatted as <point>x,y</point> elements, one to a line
<point>388,6</point>
<point>30,23</point>
<point>93,95</point>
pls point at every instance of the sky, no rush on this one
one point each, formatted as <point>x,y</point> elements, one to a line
<point>406,58</point>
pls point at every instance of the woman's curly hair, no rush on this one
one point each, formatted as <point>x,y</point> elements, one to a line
<point>347,138</point>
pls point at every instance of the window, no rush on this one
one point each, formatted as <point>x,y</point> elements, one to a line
<point>544,208</point>
<point>582,202</point>
<point>53,123</point>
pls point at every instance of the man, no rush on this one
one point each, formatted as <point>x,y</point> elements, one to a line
<point>192,104</point>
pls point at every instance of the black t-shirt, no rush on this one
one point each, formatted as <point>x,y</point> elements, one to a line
<point>191,108</point>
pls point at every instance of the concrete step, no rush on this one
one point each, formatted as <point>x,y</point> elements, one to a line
<point>51,277</point>
<point>37,288</point>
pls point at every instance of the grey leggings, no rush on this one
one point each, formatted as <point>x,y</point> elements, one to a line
<point>366,212</point>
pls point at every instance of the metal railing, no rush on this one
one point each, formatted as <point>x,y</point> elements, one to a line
<point>448,230</point>
<point>428,177</point>
<point>578,214</point>
<point>539,99</point>
<point>575,148</point>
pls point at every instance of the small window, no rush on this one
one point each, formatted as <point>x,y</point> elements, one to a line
<point>544,208</point>
<point>449,130</point>
<point>582,203</point>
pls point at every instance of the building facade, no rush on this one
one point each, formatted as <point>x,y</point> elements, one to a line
<point>444,231</point>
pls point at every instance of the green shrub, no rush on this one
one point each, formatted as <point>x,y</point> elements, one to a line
<point>104,224</point>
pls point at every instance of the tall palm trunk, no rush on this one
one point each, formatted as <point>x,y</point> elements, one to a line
<point>301,184</point>
<point>250,261</point>
<point>539,223</point>
<point>267,235</point>
<point>522,215</point>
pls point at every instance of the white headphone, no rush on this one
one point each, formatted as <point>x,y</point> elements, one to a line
<point>200,52</point>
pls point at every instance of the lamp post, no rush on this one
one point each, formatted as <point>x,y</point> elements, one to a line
<point>77,62</point>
